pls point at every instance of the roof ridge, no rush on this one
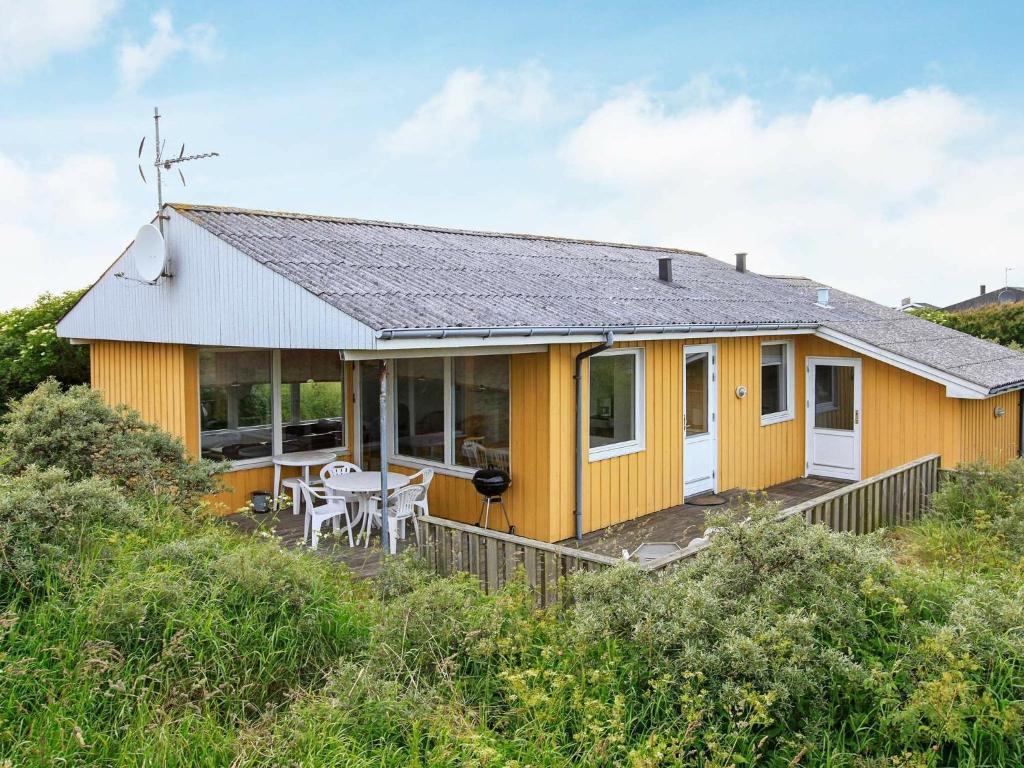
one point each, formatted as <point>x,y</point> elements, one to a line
<point>187,207</point>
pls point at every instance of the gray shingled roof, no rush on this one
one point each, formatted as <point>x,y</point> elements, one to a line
<point>1007,295</point>
<point>397,276</point>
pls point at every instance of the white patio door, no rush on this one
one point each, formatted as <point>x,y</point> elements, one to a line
<point>833,417</point>
<point>700,420</point>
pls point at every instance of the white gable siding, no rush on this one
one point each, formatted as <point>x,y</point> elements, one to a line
<point>217,296</point>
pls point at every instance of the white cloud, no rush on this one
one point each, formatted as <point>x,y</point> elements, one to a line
<point>33,31</point>
<point>451,120</point>
<point>137,63</point>
<point>915,194</point>
<point>56,225</point>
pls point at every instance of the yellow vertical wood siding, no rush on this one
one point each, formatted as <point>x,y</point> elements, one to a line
<point>903,417</point>
<point>157,380</point>
<point>752,456</point>
<point>985,436</point>
<point>625,487</point>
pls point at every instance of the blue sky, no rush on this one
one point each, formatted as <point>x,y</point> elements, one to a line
<point>876,146</point>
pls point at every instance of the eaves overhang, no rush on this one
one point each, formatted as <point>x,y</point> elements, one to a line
<point>956,386</point>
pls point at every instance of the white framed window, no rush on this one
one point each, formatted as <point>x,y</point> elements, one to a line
<point>254,403</point>
<point>451,413</point>
<point>617,396</point>
<point>777,382</point>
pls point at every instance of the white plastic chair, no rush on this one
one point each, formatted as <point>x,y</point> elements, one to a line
<point>293,484</point>
<point>333,507</point>
<point>422,478</point>
<point>401,507</point>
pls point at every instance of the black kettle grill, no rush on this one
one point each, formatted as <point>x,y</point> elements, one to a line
<point>491,484</point>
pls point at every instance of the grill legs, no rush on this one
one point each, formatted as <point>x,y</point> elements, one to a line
<point>485,512</point>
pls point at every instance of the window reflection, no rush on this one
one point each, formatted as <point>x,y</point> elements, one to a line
<point>419,404</point>
<point>235,404</point>
<point>612,399</point>
<point>773,379</point>
<point>481,411</point>
<point>696,394</point>
<point>312,400</point>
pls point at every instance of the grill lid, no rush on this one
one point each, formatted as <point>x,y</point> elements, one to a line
<point>491,482</point>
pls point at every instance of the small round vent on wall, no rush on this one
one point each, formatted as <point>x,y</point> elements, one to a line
<point>149,253</point>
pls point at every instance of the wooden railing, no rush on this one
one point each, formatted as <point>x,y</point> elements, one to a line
<point>450,547</point>
<point>892,498</point>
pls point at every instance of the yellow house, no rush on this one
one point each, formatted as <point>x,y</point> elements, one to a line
<point>611,381</point>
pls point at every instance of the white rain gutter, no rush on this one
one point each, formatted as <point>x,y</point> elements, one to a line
<point>389,334</point>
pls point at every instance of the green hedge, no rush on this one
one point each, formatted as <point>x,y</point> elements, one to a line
<point>1001,323</point>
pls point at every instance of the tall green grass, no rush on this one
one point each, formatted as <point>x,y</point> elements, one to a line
<point>176,636</point>
<point>173,641</point>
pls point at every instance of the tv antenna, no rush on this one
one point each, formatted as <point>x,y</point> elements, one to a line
<point>162,163</point>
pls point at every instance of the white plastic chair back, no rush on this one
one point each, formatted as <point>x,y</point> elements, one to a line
<point>402,503</point>
<point>338,468</point>
<point>423,479</point>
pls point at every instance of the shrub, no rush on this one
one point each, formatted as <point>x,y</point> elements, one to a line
<point>976,525</point>
<point>1001,323</point>
<point>78,431</point>
<point>45,523</point>
<point>759,634</point>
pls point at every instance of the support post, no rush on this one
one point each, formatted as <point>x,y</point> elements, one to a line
<point>384,532</point>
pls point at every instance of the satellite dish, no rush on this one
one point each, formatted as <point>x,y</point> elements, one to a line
<point>149,252</point>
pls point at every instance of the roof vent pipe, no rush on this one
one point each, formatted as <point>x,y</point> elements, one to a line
<point>823,297</point>
<point>741,262</point>
<point>982,293</point>
<point>665,269</point>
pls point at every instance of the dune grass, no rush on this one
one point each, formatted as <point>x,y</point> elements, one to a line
<point>174,641</point>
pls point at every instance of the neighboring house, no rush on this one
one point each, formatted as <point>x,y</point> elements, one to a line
<point>268,334</point>
<point>1007,295</point>
<point>908,304</point>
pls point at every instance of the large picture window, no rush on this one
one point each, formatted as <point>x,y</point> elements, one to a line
<point>238,390</point>
<point>419,406</point>
<point>480,411</point>
<point>616,403</point>
<point>452,412</point>
<point>776,382</point>
<point>312,400</point>
<point>235,404</point>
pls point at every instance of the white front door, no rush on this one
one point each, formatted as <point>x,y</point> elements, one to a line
<point>833,417</point>
<point>700,420</point>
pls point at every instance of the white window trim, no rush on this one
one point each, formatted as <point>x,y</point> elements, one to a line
<point>790,412</point>
<point>639,442</point>
<point>276,425</point>
<point>448,466</point>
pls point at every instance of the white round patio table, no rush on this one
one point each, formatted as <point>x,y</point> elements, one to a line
<point>363,486</point>
<point>304,459</point>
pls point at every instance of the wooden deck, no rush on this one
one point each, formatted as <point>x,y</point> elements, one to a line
<point>684,522</point>
<point>679,524</point>
<point>287,528</point>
